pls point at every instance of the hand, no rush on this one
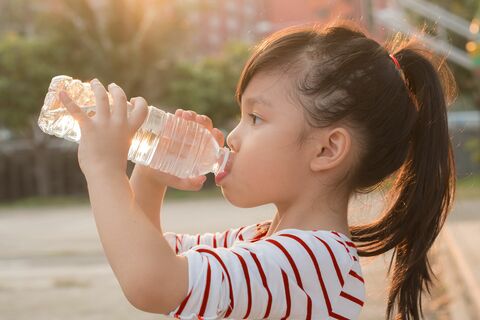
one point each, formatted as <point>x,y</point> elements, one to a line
<point>106,137</point>
<point>164,179</point>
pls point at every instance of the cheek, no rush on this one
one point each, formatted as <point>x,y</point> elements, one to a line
<point>263,177</point>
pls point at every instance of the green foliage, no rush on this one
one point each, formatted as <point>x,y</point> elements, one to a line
<point>473,147</point>
<point>131,43</point>
<point>208,86</point>
<point>124,42</point>
<point>140,45</point>
<point>25,72</point>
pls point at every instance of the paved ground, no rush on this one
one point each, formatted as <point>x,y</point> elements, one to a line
<point>462,239</point>
<point>52,265</point>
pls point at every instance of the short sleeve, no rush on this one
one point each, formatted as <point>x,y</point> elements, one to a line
<point>284,276</point>
<point>181,242</point>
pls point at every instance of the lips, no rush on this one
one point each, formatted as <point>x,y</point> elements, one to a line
<point>228,166</point>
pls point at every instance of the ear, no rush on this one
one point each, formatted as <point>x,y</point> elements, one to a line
<point>331,149</point>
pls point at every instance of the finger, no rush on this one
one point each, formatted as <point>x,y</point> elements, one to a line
<point>219,136</point>
<point>197,182</point>
<point>138,115</point>
<point>205,121</point>
<point>129,107</point>
<point>119,111</point>
<point>101,99</point>
<point>189,115</point>
<point>178,112</point>
<point>72,107</point>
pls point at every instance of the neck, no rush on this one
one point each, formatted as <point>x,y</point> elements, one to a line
<point>318,215</point>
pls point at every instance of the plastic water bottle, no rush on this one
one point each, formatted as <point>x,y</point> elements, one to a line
<point>164,142</point>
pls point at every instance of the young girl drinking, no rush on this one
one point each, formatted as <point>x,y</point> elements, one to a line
<point>326,113</point>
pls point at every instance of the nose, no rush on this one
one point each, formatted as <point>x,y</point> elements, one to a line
<point>232,138</point>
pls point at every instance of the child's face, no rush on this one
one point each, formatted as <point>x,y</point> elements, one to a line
<point>268,165</point>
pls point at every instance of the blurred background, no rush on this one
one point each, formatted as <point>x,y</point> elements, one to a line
<point>189,54</point>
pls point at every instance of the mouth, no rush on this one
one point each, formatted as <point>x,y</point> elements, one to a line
<point>228,167</point>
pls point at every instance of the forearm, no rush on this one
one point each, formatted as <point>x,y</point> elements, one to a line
<point>148,195</point>
<point>134,247</point>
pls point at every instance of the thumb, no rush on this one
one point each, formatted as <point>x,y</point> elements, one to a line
<point>139,113</point>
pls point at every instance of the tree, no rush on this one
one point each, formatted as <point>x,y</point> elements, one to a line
<point>132,43</point>
<point>208,86</point>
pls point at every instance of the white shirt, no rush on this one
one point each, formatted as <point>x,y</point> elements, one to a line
<point>293,273</point>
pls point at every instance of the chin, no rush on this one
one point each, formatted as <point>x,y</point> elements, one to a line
<point>240,201</point>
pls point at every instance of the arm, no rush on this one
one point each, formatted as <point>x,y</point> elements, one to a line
<point>149,193</point>
<point>136,250</point>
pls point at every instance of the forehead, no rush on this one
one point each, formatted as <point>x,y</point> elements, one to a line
<point>270,91</point>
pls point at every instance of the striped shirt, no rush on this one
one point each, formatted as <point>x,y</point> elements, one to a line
<point>291,274</point>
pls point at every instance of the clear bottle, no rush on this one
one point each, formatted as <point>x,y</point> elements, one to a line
<point>164,142</point>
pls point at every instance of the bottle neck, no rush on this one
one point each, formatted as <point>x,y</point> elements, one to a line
<point>223,154</point>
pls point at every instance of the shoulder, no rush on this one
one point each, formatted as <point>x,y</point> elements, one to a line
<point>311,250</point>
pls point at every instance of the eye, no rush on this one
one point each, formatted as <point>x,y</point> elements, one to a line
<point>254,117</point>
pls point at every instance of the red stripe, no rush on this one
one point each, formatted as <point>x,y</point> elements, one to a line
<point>239,235</point>
<point>295,271</point>
<point>351,244</point>
<point>231,306</point>
<point>182,305</point>
<point>264,281</point>
<point>214,241</point>
<point>289,258</point>
<point>287,294</point>
<point>343,244</point>
<point>337,316</point>
<point>356,275</point>
<point>198,239</point>
<point>348,251</point>
<point>324,290</point>
<point>247,278</point>
<point>206,292</point>
<point>351,298</point>
<point>225,239</point>
<point>335,264</point>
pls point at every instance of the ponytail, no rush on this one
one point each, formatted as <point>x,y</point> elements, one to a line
<point>400,122</point>
<point>424,188</point>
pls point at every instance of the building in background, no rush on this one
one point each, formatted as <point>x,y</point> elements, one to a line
<point>215,23</point>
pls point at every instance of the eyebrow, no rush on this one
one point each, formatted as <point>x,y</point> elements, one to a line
<point>257,100</point>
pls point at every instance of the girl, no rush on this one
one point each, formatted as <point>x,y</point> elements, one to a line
<point>326,113</point>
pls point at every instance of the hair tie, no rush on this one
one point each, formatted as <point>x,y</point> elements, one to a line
<point>397,65</point>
